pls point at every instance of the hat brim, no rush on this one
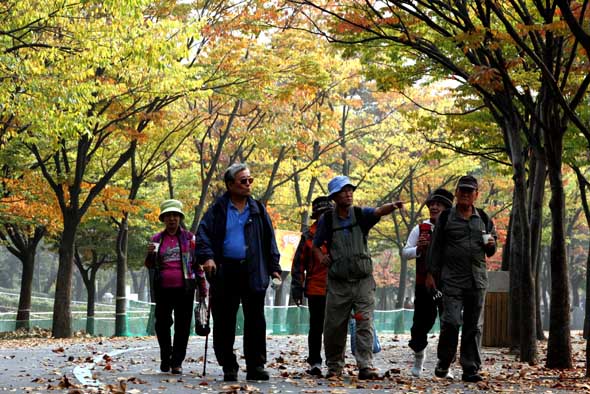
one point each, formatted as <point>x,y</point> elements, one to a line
<point>165,211</point>
<point>441,200</point>
<point>331,196</point>
<point>466,185</point>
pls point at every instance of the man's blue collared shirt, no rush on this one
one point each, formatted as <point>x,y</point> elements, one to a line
<point>234,244</point>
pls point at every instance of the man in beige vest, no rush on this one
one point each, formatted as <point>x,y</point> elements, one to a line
<point>351,287</point>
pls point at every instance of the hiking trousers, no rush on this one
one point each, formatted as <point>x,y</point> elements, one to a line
<point>343,298</point>
<point>317,307</point>
<point>176,302</point>
<point>461,307</point>
<point>425,312</point>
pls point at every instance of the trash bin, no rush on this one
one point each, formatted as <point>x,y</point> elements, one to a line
<point>495,324</point>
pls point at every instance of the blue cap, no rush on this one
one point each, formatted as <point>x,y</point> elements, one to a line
<point>337,184</point>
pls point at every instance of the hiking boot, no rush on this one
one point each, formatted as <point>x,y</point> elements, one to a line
<point>419,358</point>
<point>315,370</point>
<point>368,374</point>
<point>472,378</point>
<point>257,373</point>
<point>442,371</point>
<point>230,374</point>
<point>176,370</point>
<point>165,365</point>
<point>333,374</point>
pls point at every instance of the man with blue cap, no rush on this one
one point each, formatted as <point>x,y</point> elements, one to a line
<point>351,287</point>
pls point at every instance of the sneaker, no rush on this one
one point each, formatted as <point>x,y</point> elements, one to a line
<point>257,373</point>
<point>442,371</point>
<point>472,378</point>
<point>315,370</point>
<point>419,358</point>
<point>368,374</point>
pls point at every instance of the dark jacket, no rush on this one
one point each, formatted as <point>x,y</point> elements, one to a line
<point>262,253</point>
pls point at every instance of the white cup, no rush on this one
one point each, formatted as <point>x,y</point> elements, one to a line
<point>156,246</point>
<point>276,282</point>
<point>486,238</point>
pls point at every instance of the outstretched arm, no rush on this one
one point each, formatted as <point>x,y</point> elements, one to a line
<point>386,209</point>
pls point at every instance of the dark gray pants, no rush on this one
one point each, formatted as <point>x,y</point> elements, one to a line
<point>461,307</point>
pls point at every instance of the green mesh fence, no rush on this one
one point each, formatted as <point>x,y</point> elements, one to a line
<point>279,321</point>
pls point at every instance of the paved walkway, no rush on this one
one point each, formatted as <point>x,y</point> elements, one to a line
<point>85,365</point>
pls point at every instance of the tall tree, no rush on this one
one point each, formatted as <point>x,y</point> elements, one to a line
<point>89,93</point>
<point>478,44</point>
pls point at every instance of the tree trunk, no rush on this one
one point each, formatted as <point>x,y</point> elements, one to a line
<point>559,348</point>
<point>514,269</point>
<point>536,198</point>
<point>521,244</point>
<point>528,337</point>
<point>508,244</point>
<point>545,285</point>
<point>62,312</point>
<point>24,247</point>
<point>90,305</point>
<point>403,274</point>
<point>23,315</point>
<point>121,296</point>
<point>538,295</point>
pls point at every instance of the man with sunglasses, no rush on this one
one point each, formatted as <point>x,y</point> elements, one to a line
<point>236,246</point>
<point>462,238</point>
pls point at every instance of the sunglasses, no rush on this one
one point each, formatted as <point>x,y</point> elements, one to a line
<point>246,181</point>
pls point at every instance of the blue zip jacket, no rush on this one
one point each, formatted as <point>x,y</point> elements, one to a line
<point>262,253</point>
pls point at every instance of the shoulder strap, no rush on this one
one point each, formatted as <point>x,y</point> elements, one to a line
<point>358,217</point>
<point>443,218</point>
<point>484,217</point>
<point>358,213</point>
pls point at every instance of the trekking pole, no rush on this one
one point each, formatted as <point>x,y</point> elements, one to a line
<point>207,338</point>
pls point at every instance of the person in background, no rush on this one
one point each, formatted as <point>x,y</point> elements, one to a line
<point>170,254</point>
<point>309,277</point>
<point>236,246</point>
<point>351,286</point>
<point>464,235</point>
<point>426,306</point>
